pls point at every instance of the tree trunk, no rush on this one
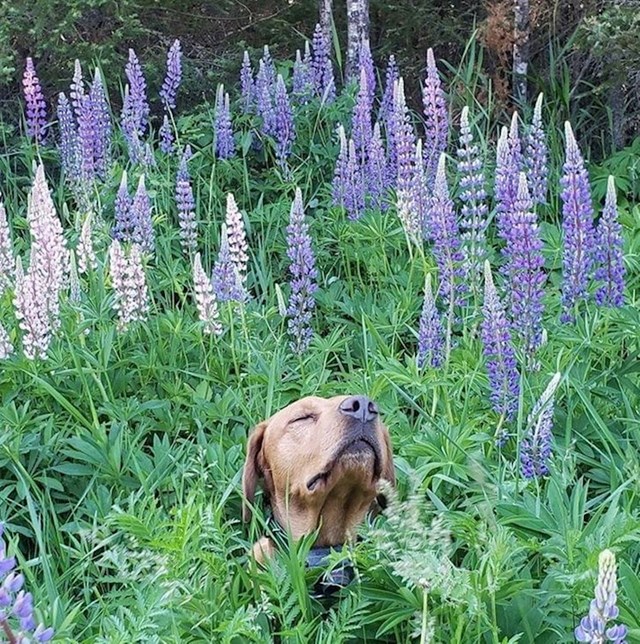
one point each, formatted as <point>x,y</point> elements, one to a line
<point>326,18</point>
<point>357,32</point>
<point>521,50</point>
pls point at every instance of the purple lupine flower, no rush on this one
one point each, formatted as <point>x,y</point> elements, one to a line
<point>535,450</point>
<point>85,254</point>
<point>101,119</point>
<point>474,207</point>
<point>377,178</point>
<point>129,284</point>
<point>322,67</point>
<point>77,89</point>
<point>166,136</point>
<point>169,89</point>
<point>303,277</point>
<point>148,156</point>
<point>499,353</point>
<point>139,105</point>
<point>430,332</point>
<point>608,253</point>
<point>226,281</point>
<point>129,127</point>
<point>237,235</point>
<point>339,186</point>
<point>247,86</point>
<point>436,118</point>
<point>404,140</point>
<point>7,263</point>
<point>386,106</point>
<point>205,299</point>
<point>143,234</point>
<point>302,90</point>
<point>509,164</point>
<point>186,205</point>
<point>365,62</point>
<point>269,67</point>
<point>285,129</point>
<point>603,609</point>
<point>361,130</point>
<point>354,185</point>
<point>577,227</point>
<point>536,157</point>
<point>264,102</point>
<point>87,131</point>
<point>225,145</point>
<point>124,222</point>
<point>525,270</point>
<point>443,232</point>
<point>68,138</point>
<point>36,107</point>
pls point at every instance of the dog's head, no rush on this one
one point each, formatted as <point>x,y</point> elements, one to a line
<point>319,461</point>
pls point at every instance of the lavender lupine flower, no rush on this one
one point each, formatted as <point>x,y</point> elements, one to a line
<point>322,67</point>
<point>285,130</point>
<point>226,281</point>
<point>269,67</point>
<point>237,239</point>
<point>166,136</point>
<point>186,205</point>
<point>139,105</point>
<point>264,102</point>
<point>609,257</point>
<point>525,270</point>
<point>302,90</point>
<point>499,353</point>
<point>419,194</point>
<point>169,89</point>
<point>361,130</point>
<point>443,232</point>
<point>124,222</point>
<point>101,119</point>
<point>365,62</point>
<point>68,138</point>
<point>354,185</point>
<point>577,227</point>
<point>536,156</point>
<point>148,156</point>
<point>436,118</point>
<point>36,107</point>
<point>87,130</point>
<point>339,186</point>
<point>129,284</point>
<point>303,277</point>
<point>143,234</point>
<point>247,86</point>
<point>386,106</point>
<point>509,164</point>
<point>85,253</point>
<point>430,332</point>
<point>535,450</point>
<point>77,92</point>
<point>7,262</point>
<point>377,178</point>
<point>129,127</point>
<point>205,299</point>
<point>225,145</point>
<point>16,603</point>
<point>404,140</point>
<point>603,609</point>
<point>474,207</point>
<point>6,348</point>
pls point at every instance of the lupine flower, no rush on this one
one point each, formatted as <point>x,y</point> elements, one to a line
<point>6,348</point>
<point>148,157</point>
<point>577,227</point>
<point>205,299</point>
<point>124,222</point>
<point>129,284</point>
<point>535,450</point>
<point>135,108</point>
<point>603,609</point>
<point>404,140</point>
<point>361,121</point>
<point>7,262</point>
<point>264,102</point>
<point>302,77</point>
<point>36,107</point>
<point>419,194</point>
<point>247,85</point>
<point>504,379</point>
<point>536,157</point>
<point>365,62</point>
<point>303,277</point>
<point>226,281</point>
<point>436,118</point>
<point>322,67</point>
<point>285,133</point>
<point>101,120</point>
<point>75,289</point>
<point>86,142</point>
<point>143,234</point>
<point>32,313</point>
<point>377,178</point>
<point>269,67</point>
<point>166,136</point>
<point>609,258</point>
<point>237,239</point>
<point>443,232</point>
<point>87,259</point>
<point>68,138</point>
<point>509,164</point>
<point>77,89</point>
<point>474,207</point>
<point>430,332</point>
<point>16,603</point>
<point>339,186</point>
<point>186,205</point>
<point>225,145</point>
<point>129,129</point>
<point>169,89</point>
<point>386,106</point>
<point>354,185</point>
<point>524,268</point>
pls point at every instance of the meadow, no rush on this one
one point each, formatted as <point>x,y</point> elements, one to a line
<point>473,274</point>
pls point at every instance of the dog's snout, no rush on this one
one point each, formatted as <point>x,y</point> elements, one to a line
<point>359,407</point>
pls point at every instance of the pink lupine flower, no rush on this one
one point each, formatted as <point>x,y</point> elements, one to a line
<point>86,255</point>
<point>6,252</point>
<point>205,299</point>
<point>237,238</point>
<point>32,313</point>
<point>129,284</point>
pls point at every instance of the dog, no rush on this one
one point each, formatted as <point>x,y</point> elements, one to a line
<point>319,461</point>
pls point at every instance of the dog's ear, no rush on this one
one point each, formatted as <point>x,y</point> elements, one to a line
<point>253,469</point>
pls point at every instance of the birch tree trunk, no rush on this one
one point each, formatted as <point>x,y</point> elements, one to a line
<point>357,32</point>
<point>326,17</point>
<point>521,50</point>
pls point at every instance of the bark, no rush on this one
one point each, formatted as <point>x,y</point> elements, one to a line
<point>357,32</point>
<point>326,17</point>
<point>521,50</point>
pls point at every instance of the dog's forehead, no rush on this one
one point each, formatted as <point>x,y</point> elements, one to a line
<point>309,404</point>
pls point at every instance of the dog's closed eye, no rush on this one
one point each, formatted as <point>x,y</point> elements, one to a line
<point>299,419</point>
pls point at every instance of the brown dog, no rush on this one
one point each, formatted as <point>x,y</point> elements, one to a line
<point>320,461</point>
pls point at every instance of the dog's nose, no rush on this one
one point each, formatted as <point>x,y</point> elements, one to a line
<point>359,407</point>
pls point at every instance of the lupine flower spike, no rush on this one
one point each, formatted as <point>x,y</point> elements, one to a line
<point>339,186</point>
<point>361,121</point>
<point>32,313</point>
<point>171,83</point>
<point>135,108</point>
<point>386,106</point>
<point>264,102</point>
<point>237,239</point>
<point>303,277</point>
<point>101,118</point>
<point>143,233</point>
<point>68,139</point>
<point>436,118</point>
<point>610,269</point>
<point>129,283</point>
<point>377,178</point>
<point>302,77</point>
<point>124,223</point>
<point>247,86</point>
<point>577,228</point>
<point>504,379</point>
<point>509,164</point>
<point>226,281</point>
<point>285,133</point>
<point>535,450</point>
<point>536,157</point>
<point>7,261</point>
<point>225,145</point>
<point>6,348</point>
<point>323,80</point>
<point>431,332</point>
<point>166,135</point>
<point>36,111</point>
<point>603,609</point>
<point>186,205</point>
<point>365,62</point>
<point>205,299</point>
<point>85,254</point>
